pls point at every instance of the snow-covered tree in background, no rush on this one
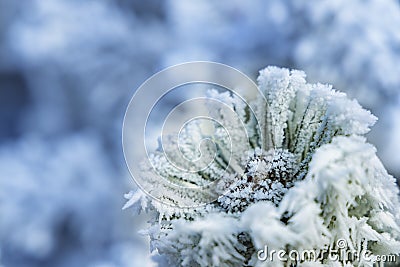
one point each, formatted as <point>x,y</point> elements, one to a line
<point>308,181</point>
<point>69,68</point>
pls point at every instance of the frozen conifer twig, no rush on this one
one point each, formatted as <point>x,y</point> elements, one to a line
<point>308,180</point>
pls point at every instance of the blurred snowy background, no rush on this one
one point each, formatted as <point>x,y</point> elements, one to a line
<point>68,69</point>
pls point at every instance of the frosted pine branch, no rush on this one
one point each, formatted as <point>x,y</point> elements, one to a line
<point>306,179</point>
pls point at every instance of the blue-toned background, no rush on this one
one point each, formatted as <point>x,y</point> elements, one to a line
<point>68,69</point>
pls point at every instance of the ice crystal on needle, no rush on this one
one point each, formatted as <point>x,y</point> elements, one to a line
<point>266,177</point>
<point>305,178</point>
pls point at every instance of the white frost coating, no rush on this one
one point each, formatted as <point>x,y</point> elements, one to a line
<point>314,181</point>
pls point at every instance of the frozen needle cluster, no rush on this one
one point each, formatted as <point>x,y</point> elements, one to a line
<point>305,180</point>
